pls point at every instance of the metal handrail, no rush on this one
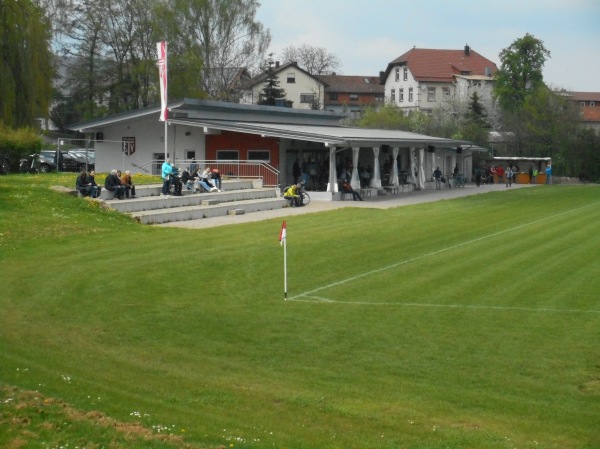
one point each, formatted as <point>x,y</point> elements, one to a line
<point>228,168</point>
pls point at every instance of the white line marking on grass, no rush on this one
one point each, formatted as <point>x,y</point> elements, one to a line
<point>317,299</point>
<point>434,253</point>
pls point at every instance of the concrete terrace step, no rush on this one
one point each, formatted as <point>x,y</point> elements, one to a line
<point>143,191</point>
<point>189,199</point>
<point>183,213</point>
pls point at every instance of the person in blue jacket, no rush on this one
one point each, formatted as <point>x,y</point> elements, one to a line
<point>167,169</point>
<point>549,173</point>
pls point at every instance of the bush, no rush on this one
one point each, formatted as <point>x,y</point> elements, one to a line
<point>19,143</point>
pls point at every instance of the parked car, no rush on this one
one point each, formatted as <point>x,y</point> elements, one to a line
<point>47,161</point>
<point>81,154</point>
<point>72,161</point>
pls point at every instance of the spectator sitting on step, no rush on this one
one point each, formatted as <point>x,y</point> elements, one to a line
<point>206,177</point>
<point>216,178</point>
<point>112,183</point>
<point>82,184</point>
<point>187,179</point>
<point>292,193</point>
<point>176,182</point>
<point>95,189</point>
<point>127,182</point>
<point>347,188</point>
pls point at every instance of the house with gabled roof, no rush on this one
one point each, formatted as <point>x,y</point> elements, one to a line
<point>302,89</point>
<point>589,108</point>
<point>351,94</point>
<point>427,79</point>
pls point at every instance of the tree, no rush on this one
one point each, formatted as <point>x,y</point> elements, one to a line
<point>476,125</point>
<point>520,71</point>
<point>271,90</point>
<point>26,63</point>
<point>315,60</point>
<point>225,34</point>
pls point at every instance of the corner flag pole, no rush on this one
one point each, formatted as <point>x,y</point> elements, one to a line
<point>283,242</point>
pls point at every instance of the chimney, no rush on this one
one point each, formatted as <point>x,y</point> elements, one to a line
<point>467,50</point>
<point>276,64</point>
<point>381,77</point>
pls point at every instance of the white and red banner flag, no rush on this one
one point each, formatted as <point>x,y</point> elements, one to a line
<point>161,48</point>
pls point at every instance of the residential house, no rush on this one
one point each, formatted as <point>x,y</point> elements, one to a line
<point>589,105</point>
<point>351,94</point>
<point>302,89</point>
<point>427,79</point>
<point>226,84</point>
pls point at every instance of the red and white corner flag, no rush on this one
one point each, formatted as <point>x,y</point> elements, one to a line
<point>161,48</point>
<point>283,242</point>
<point>282,234</point>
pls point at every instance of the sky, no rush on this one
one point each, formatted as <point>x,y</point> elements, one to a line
<point>366,35</point>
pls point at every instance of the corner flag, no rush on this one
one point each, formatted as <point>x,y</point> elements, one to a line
<point>282,234</point>
<point>283,242</point>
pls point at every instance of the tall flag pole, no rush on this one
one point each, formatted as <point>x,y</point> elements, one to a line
<point>283,242</point>
<point>161,48</point>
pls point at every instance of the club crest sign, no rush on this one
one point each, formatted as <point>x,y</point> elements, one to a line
<point>128,145</point>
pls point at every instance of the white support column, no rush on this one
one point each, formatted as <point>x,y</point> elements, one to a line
<point>395,180</point>
<point>332,185</point>
<point>355,180</point>
<point>421,179</point>
<point>376,180</point>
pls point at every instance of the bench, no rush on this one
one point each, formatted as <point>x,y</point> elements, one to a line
<point>392,190</point>
<point>365,193</point>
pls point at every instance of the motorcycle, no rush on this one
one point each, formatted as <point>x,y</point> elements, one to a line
<point>30,164</point>
<point>4,166</point>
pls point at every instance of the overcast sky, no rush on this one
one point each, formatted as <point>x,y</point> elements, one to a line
<point>368,34</point>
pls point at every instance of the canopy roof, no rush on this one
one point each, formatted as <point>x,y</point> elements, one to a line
<point>288,123</point>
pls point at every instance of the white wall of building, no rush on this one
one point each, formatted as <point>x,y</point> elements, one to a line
<point>149,142</point>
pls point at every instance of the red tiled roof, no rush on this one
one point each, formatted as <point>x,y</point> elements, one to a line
<point>442,65</point>
<point>352,84</point>
<point>585,96</point>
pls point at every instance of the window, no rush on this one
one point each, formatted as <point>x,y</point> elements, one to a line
<point>353,97</point>
<point>397,73</point>
<point>431,94</point>
<point>333,96</point>
<point>592,104</point>
<point>393,95</point>
<point>228,155</point>
<point>307,98</point>
<point>259,155</point>
<point>410,94</point>
<point>401,95</point>
<point>291,78</point>
<point>446,92</point>
<point>379,98</point>
<point>405,73</point>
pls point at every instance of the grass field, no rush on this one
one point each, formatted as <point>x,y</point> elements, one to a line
<point>469,323</point>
